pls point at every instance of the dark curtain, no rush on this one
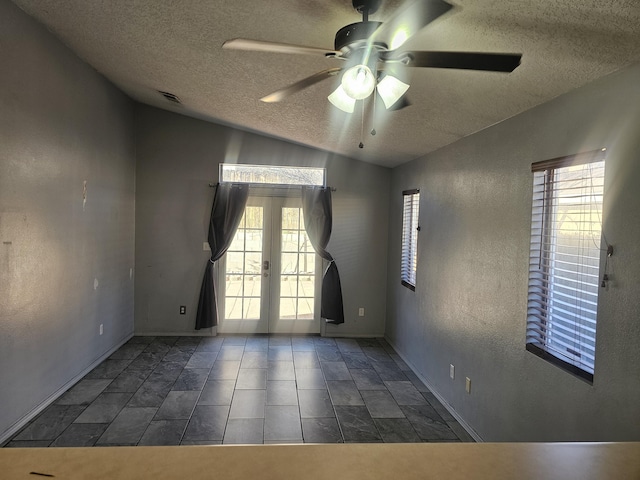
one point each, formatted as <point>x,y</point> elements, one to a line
<point>228,206</point>
<point>316,205</point>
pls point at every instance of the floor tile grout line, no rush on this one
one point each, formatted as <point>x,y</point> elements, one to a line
<point>333,405</point>
<point>186,425</point>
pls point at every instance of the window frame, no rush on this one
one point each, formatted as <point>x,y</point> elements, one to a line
<point>542,288</point>
<point>409,242</point>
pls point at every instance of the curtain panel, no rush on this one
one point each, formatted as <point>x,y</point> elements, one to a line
<point>229,202</point>
<point>318,219</point>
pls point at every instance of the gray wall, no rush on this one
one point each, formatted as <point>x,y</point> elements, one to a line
<point>61,124</point>
<point>469,307</point>
<point>177,158</point>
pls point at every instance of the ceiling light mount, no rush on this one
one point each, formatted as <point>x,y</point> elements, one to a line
<point>366,7</point>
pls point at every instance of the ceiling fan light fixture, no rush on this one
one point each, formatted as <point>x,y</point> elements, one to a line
<point>358,82</point>
<point>341,100</point>
<point>391,90</point>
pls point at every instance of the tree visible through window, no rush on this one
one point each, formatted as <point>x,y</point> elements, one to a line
<point>410,228</point>
<point>566,228</point>
<point>272,174</point>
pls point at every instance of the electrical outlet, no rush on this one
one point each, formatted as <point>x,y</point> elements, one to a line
<point>452,371</point>
<point>467,385</point>
<point>361,312</point>
<point>183,309</point>
<point>101,329</point>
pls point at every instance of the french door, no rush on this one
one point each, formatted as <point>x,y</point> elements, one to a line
<point>269,280</point>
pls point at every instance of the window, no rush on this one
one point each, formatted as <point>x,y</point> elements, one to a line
<point>410,229</point>
<point>566,224</point>
<point>272,175</point>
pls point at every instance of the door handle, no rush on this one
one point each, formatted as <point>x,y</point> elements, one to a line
<point>265,264</point>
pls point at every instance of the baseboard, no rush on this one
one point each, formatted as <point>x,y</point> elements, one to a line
<point>210,334</point>
<point>440,398</point>
<point>175,334</point>
<point>352,335</point>
<point>16,427</point>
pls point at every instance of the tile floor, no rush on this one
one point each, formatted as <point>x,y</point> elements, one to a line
<point>244,390</point>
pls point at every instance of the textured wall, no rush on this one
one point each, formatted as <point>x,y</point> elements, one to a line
<point>61,124</point>
<point>469,308</point>
<point>178,156</point>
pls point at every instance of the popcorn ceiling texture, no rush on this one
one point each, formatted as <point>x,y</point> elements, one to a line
<point>147,45</point>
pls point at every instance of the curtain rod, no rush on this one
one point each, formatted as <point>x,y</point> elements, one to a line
<point>260,185</point>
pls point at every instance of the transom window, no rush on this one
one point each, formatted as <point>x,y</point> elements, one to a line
<point>566,228</point>
<point>410,228</point>
<point>272,175</point>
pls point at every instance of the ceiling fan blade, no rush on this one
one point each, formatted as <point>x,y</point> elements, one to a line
<point>494,62</point>
<point>299,85</point>
<point>273,47</point>
<point>407,21</point>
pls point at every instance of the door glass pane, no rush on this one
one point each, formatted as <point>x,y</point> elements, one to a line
<point>289,241</point>
<point>252,284</point>
<point>289,263</point>
<point>305,286</point>
<point>305,308</point>
<point>288,286</point>
<point>252,263</point>
<point>305,243</point>
<point>287,308</point>
<point>254,241</point>
<point>243,268</point>
<point>233,307</point>
<point>251,308</point>
<point>253,217</point>
<point>297,267</point>
<point>235,262</point>
<point>307,263</point>
<point>290,218</point>
<point>237,245</point>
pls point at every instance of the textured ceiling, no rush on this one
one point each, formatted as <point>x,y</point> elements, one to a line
<point>144,46</point>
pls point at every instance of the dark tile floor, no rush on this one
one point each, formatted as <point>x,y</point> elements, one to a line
<point>243,390</point>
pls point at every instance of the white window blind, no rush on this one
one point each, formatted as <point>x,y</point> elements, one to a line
<point>411,204</point>
<point>564,261</point>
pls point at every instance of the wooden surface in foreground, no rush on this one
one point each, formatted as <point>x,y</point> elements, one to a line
<point>495,461</point>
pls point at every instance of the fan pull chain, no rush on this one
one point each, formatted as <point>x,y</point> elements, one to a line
<point>373,129</point>
<point>362,128</point>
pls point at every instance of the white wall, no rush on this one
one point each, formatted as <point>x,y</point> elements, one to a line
<point>177,158</point>
<point>469,307</point>
<point>61,124</point>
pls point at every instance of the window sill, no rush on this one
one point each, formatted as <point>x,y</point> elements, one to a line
<point>408,285</point>
<point>566,366</point>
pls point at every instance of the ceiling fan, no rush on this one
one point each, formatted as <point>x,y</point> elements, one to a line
<point>372,56</point>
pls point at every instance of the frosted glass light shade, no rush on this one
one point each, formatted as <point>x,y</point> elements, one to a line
<point>340,99</point>
<point>358,82</point>
<point>391,89</point>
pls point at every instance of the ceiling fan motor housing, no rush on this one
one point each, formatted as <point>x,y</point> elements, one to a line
<point>355,32</point>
